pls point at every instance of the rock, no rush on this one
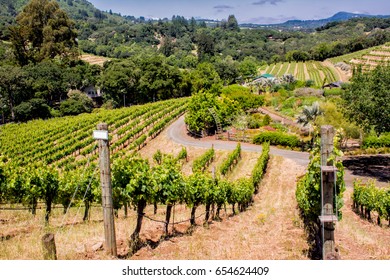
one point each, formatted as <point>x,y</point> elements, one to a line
<point>97,247</point>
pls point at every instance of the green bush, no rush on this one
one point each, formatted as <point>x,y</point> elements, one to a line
<point>377,142</point>
<point>267,120</point>
<point>255,121</point>
<point>244,98</point>
<point>277,138</point>
<point>33,109</point>
<point>202,162</point>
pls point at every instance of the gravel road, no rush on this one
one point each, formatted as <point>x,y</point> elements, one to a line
<point>177,132</point>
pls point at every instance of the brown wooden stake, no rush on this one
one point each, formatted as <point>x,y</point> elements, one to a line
<point>105,179</point>
<point>49,247</point>
<point>327,134</point>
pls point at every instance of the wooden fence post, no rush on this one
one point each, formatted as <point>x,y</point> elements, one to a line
<point>49,247</point>
<point>327,193</point>
<point>105,180</point>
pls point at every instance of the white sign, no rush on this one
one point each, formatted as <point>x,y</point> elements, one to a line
<point>100,134</point>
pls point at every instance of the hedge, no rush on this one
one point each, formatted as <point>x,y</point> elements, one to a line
<point>377,142</point>
<point>277,138</point>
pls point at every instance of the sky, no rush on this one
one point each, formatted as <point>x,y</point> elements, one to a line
<point>246,11</point>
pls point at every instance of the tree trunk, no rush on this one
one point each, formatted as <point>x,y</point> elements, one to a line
<point>192,220</point>
<point>34,204</point>
<point>213,211</point>
<point>11,108</point>
<point>126,210</point>
<point>167,218</point>
<point>48,210</point>
<point>234,211</point>
<point>86,211</point>
<point>379,220</point>
<point>217,215</point>
<point>135,244</point>
<point>207,217</point>
<point>155,208</point>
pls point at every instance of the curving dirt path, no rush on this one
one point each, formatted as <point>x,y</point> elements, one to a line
<point>177,132</point>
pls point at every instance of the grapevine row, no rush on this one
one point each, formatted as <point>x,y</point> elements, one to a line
<point>367,198</point>
<point>231,160</point>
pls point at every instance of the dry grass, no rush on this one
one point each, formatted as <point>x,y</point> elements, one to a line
<point>94,59</point>
<point>359,239</point>
<point>269,229</point>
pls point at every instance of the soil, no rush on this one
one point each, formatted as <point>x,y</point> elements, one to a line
<point>359,239</point>
<point>250,234</point>
<point>374,167</point>
<point>269,229</point>
<point>344,76</point>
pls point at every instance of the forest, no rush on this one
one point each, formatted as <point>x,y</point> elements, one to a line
<point>42,75</point>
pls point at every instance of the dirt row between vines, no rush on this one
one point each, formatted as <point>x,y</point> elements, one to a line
<point>270,229</point>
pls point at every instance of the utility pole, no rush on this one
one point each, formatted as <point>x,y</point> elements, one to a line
<point>105,178</point>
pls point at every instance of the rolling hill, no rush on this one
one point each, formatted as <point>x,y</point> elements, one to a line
<point>313,24</point>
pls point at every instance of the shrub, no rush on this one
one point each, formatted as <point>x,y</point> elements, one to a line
<point>267,120</point>
<point>32,109</point>
<point>377,142</point>
<point>307,91</point>
<point>77,103</point>
<point>244,98</point>
<point>255,121</point>
<point>277,138</point>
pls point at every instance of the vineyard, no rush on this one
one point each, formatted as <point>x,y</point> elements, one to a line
<point>368,198</point>
<point>93,59</point>
<point>368,58</point>
<point>49,161</point>
<point>67,143</point>
<point>316,71</point>
<point>45,164</point>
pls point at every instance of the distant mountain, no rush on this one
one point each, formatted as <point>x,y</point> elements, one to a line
<point>312,24</point>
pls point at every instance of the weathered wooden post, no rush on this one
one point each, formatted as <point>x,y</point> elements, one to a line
<point>105,178</point>
<point>49,247</point>
<point>328,181</point>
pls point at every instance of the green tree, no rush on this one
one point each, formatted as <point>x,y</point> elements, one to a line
<point>32,109</point>
<point>227,69</point>
<point>159,81</point>
<point>43,30</point>
<point>119,81</point>
<point>13,88</point>
<point>206,44</point>
<point>199,117</point>
<point>232,23</point>
<point>248,67</point>
<point>77,103</point>
<point>367,100</point>
<point>205,77</point>
<point>48,80</point>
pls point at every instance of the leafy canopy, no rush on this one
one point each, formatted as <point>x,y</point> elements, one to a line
<point>367,100</point>
<point>43,30</point>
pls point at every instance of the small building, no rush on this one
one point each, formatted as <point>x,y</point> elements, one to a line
<point>95,94</point>
<point>267,76</point>
<point>92,92</point>
<point>333,85</point>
